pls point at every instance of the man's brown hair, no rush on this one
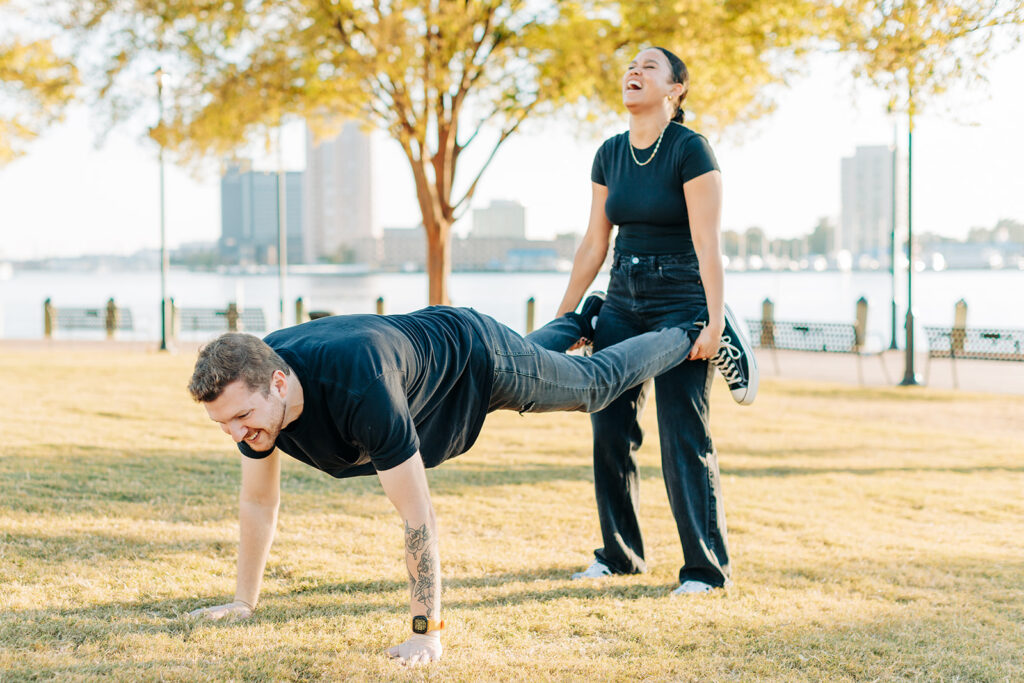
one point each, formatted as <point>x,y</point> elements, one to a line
<point>233,356</point>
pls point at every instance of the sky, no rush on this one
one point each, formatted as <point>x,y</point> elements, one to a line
<point>70,195</point>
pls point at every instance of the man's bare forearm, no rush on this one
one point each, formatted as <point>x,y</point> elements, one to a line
<point>424,565</point>
<point>257,524</point>
<point>406,487</point>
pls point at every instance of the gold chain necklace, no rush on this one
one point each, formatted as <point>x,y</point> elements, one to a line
<point>632,151</point>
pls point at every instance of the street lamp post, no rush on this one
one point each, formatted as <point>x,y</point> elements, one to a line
<point>164,262</point>
<point>282,223</point>
<point>909,376</point>
<point>892,235</point>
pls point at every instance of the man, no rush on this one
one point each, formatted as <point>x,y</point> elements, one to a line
<point>391,395</point>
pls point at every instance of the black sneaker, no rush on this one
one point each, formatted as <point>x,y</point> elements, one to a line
<point>735,360</point>
<point>589,311</point>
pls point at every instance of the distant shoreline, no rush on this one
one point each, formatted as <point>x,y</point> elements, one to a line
<point>7,269</point>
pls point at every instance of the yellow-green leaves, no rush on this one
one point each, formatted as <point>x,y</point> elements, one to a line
<point>917,49</point>
<point>35,82</point>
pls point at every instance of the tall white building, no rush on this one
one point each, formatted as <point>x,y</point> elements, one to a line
<point>338,194</point>
<point>504,218</point>
<point>867,202</point>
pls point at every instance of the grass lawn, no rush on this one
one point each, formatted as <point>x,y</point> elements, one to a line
<point>876,534</point>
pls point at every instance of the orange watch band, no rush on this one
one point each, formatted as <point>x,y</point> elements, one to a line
<point>421,624</point>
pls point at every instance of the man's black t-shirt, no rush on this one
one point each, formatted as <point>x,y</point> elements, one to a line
<point>647,202</point>
<point>378,388</point>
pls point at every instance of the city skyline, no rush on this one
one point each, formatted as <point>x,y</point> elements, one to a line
<point>66,198</point>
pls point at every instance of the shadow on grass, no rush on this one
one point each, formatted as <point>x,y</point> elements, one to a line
<point>73,477</point>
<point>828,392</point>
<point>897,644</point>
<point>790,471</point>
<point>93,547</point>
<point>156,483</point>
<point>203,486</point>
<point>23,628</point>
<point>453,479</point>
<point>888,638</point>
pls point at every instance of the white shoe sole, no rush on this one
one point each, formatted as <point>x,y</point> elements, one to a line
<point>753,375</point>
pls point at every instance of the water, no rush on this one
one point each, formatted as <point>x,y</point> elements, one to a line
<point>812,296</point>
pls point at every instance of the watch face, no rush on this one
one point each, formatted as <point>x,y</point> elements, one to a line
<point>419,624</point>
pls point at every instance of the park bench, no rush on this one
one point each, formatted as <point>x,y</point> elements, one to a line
<point>109,319</point>
<point>93,319</point>
<point>219,319</point>
<point>823,337</point>
<point>960,343</point>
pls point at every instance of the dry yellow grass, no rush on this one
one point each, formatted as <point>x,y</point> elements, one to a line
<point>876,534</point>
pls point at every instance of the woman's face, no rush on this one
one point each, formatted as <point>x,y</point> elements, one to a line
<point>648,80</point>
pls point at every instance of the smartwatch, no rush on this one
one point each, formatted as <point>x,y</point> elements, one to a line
<point>421,624</point>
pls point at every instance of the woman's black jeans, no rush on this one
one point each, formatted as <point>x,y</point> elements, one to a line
<point>649,293</point>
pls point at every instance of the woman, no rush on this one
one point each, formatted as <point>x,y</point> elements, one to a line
<point>660,183</point>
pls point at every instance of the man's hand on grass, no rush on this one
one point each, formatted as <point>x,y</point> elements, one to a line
<point>233,610</point>
<point>419,649</point>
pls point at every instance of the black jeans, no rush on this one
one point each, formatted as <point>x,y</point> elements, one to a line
<point>647,293</point>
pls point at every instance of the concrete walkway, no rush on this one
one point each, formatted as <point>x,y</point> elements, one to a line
<point>98,345</point>
<point>973,376</point>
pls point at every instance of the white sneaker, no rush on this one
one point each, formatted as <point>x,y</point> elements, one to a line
<point>691,587</point>
<point>596,570</point>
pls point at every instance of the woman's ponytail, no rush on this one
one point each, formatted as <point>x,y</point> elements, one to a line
<point>681,75</point>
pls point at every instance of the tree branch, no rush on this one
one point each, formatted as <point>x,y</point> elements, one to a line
<point>501,139</point>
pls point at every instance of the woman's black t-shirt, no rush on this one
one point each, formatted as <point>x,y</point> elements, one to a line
<point>647,202</point>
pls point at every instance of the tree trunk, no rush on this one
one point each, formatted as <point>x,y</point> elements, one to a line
<point>437,222</point>
<point>439,263</point>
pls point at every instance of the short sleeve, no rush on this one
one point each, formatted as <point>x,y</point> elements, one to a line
<point>695,158</point>
<point>597,170</point>
<point>381,424</point>
<point>248,452</point>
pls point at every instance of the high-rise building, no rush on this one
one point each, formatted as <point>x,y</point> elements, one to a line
<point>339,197</point>
<point>867,202</point>
<point>504,219</point>
<point>249,214</point>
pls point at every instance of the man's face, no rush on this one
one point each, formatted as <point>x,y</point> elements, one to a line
<point>247,415</point>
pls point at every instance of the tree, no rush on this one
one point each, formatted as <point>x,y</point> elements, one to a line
<point>755,241</point>
<point>822,239</point>
<point>35,82</point>
<point>731,243</point>
<point>915,50</point>
<point>1009,230</point>
<point>437,76</point>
